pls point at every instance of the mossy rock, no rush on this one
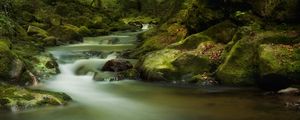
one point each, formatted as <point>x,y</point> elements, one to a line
<point>44,66</point>
<point>288,37</point>
<point>171,34</point>
<point>281,60</point>
<point>172,65</point>
<point>15,99</point>
<point>238,69</point>
<point>191,64</point>
<point>157,65</point>
<point>191,42</point>
<point>6,58</point>
<point>84,31</point>
<point>222,32</point>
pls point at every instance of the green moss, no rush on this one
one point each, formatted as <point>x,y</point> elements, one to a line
<point>279,59</point>
<point>222,32</point>
<point>158,65</point>
<point>191,42</point>
<point>172,65</point>
<point>200,16</point>
<point>14,98</point>
<point>239,65</point>
<point>191,64</point>
<point>6,56</point>
<point>163,38</point>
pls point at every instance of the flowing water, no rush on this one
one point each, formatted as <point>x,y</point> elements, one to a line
<point>134,100</point>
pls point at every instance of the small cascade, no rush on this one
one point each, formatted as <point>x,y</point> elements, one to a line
<point>145,27</point>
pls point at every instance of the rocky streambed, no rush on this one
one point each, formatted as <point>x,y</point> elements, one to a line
<point>98,94</point>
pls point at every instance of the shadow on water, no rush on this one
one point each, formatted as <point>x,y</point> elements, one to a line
<point>134,100</point>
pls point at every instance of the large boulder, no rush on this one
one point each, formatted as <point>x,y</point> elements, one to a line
<point>279,65</point>
<point>12,68</point>
<point>238,67</point>
<point>172,65</point>
<point>241,63</point>
<point>6,58</point>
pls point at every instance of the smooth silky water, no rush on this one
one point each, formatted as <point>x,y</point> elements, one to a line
<point>135,100</point>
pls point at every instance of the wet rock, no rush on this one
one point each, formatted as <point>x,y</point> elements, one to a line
<point>17,70</point>
<point>44,66</point>
<point>105,76</point>
<point>132,74</point>
<point>117,65</point>
<point>205,79</point>
<point>289,91</point>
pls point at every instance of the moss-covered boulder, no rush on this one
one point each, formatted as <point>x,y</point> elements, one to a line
<point>279,60</point>
<point>14,98</point>
<point>172,65</point>
<point>190,64</point>
<point>238,67</point>
<point>158,65</point>
<point>12,68</point>
<point>191,42</point>
<point>6,58</point>
<point>44,65</point>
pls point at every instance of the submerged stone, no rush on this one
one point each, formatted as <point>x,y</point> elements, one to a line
<point>117,65</point>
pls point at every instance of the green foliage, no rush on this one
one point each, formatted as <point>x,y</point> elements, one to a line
<point>7,26</point>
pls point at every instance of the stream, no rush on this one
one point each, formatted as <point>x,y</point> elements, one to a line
<point>136,100</point>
